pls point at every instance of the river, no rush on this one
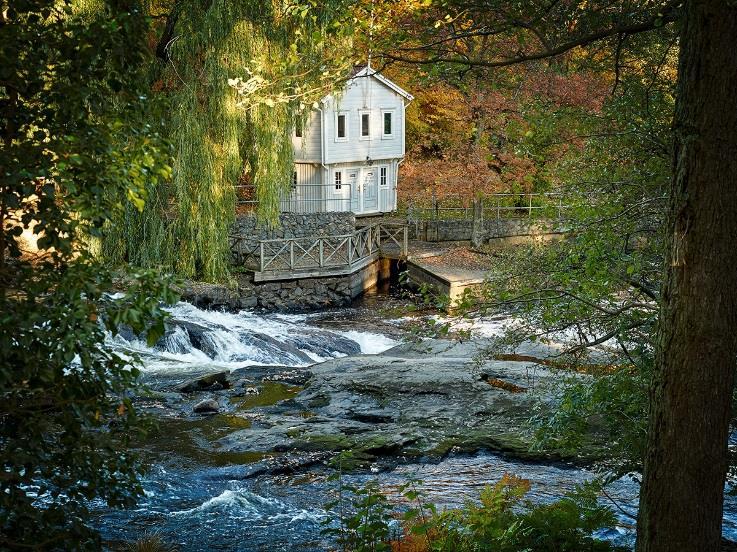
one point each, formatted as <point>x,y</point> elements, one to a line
<point>199,500</point>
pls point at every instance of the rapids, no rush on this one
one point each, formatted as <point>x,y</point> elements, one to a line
<point>238,505</point>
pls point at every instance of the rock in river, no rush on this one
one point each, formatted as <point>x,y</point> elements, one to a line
<point>208,406</point>
<point>415,400</point>
<point>212,382</point>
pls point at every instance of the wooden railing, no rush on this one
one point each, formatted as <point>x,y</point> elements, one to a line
<point>317,256</point>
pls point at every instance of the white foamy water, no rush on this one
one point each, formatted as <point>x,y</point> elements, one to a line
<point>239,503</point>
<point>479,327</point>
<point>198,340</point>
<point>370,343</point>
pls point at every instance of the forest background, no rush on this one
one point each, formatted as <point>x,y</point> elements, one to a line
<point>126,127</point>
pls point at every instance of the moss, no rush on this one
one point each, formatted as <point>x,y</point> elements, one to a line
<point>511,444</point>
<point>235,422</point>
<point>270,394</point>
<point>443,447</point>
<point>293,432</point>
<point>196,439</point>
<point>319,401</point>
<point>352,460</point>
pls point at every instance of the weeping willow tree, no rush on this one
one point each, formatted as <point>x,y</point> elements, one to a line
<point>236,77</point>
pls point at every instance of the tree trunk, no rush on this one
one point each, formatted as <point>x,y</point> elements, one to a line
<point>686,463</point>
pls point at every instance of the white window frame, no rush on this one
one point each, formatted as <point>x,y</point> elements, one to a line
<point>338,180</point>
<point>346,126</point>
<point>361,113</point>
<point>392,112</point>
<point>385,176</point>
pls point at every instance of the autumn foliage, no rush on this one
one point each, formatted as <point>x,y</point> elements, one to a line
<point>466,138</point>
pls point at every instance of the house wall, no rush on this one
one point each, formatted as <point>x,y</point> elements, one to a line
<point>348,194</point>
<point>319,153</point>
<point>364,94</point>
<point>308,194</point>
<point>309,146</point>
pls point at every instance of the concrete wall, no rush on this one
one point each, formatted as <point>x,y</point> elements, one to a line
<point>462,229</point>
<point>308,294</point>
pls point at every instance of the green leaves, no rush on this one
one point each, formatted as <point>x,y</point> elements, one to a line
<point>502,520</point>
<point>73,153</point>
<point>367,527</point>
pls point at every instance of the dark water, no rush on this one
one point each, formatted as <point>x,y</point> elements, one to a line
<point>199,503</point>
<point>222,509</point>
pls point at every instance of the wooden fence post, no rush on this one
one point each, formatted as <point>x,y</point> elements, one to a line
<point>262,256</point>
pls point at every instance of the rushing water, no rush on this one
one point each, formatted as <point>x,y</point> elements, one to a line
<point>197,339</point>
<point>235,504</point>
<point>223,509</point>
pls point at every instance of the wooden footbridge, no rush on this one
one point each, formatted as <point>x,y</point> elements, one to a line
<point>326,256</point>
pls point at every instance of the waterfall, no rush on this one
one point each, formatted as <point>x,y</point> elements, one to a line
<point>197,339</point>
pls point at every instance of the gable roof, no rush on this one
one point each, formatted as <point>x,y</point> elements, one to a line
<point>366,71</point>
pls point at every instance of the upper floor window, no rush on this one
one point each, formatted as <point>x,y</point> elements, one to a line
<point>338,180</point>
<point>383,176</point>
<point>341,126</point>
<point>365,125</point>
<point>298,129</point>
<point>387,119</point>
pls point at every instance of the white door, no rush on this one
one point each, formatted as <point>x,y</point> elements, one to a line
<point>355,188</point>
<point>338,197</point>
<point>369,190</point>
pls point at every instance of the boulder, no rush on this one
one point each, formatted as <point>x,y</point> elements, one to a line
<point>209,382</point>
<point>208,406</point>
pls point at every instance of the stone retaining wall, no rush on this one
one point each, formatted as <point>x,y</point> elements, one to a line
<point>247,232</point>
<point>306,294</point>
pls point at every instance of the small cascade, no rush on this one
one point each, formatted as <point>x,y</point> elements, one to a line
<point>198,338</point>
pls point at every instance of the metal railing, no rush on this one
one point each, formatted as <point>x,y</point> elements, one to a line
<point>329,255</point>
<point>304,198</point>
<point>502,205</point>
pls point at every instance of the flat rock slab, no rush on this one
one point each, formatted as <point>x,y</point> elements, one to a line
<point>415,400</point>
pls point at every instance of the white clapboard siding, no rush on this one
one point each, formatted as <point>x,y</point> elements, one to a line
<point>307,195</point>
<point>364,95</point>
<point>319,153</point>
<point>309,146</point>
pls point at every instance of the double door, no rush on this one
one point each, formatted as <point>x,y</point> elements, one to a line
<point>364,184</point>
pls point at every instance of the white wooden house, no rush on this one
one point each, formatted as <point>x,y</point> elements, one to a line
<point>348,154</point>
